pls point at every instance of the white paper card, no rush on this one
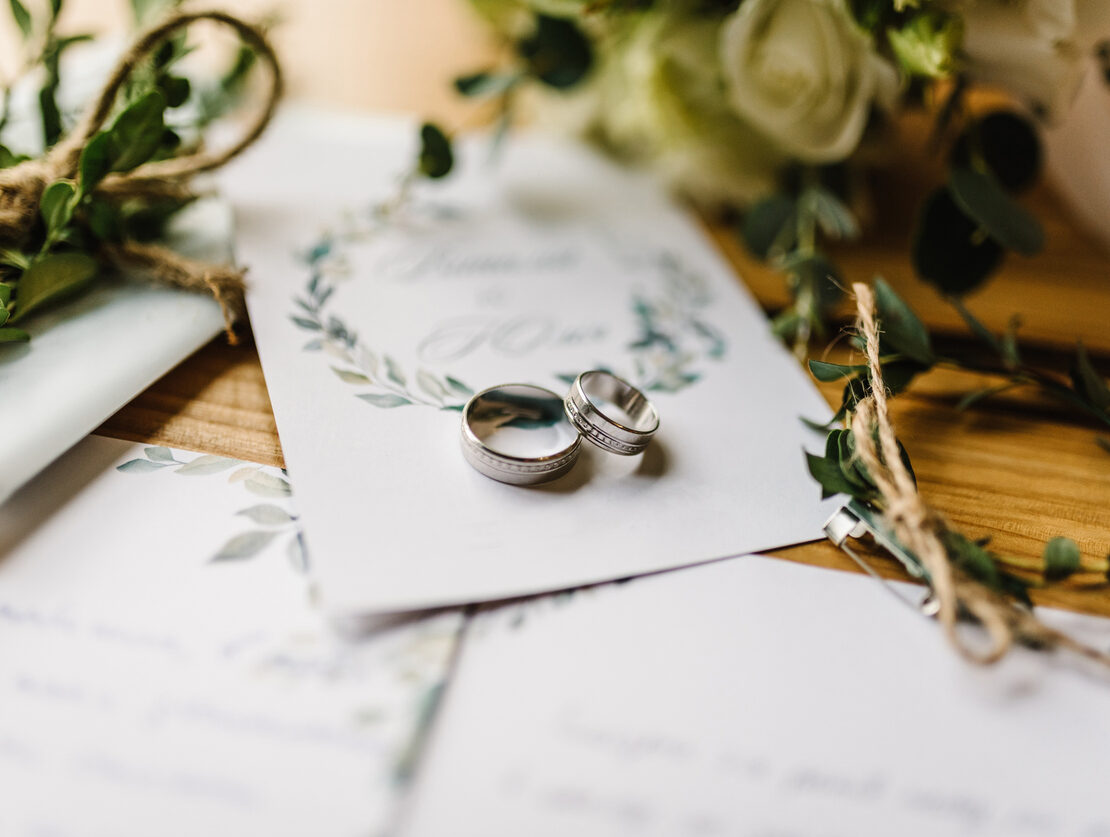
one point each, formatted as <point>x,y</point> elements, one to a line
<point>162,670</point>
<point>89,357</point>
<point>549,262</point>
<point>754,698</point>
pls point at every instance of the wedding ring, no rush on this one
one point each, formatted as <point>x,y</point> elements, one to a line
<point>518,434</point>
<point>611,413</point>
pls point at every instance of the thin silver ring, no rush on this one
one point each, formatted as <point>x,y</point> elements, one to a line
<point>633,420</point>
<point>491,407</point>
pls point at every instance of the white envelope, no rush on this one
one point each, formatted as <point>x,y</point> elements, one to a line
<point>90,356</point>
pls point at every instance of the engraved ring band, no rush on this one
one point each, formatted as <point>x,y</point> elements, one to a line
<point>518,434</point>
<point>611,413</point>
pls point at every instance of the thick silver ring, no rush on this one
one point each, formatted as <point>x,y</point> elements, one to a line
<point>611,413</point>
<point>504,425</point>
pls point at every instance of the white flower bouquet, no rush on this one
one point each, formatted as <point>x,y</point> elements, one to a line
<point>770,106</point>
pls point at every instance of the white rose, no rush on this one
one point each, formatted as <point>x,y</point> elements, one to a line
<point>659,101</point>
<point>804,73</point>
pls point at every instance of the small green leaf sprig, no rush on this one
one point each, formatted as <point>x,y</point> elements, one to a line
<point>554,53</point>
<point>81,220</point>
<point>906,350</point>
<point>270,520</point>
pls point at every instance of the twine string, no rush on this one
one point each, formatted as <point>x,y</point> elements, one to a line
<point>22,185</point>
<point>922,530</point>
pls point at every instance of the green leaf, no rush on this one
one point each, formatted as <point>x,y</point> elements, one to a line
<point>246,545</point>
<point>176,91</point>
<point>972,558</point>
<point>828,474</point>
<point>137,132</point>
<point>104,219</point>
<point>311,325</point>
<point>557,52</point>
<point>8,158</point>
<point>926,45</point>
<point>1061,558</point>
<point>387,399</point>
<point>207,464</point>
<point>140,466</point>
<point>430,385</point>
<point>982,197</point>
<point>485,84</point>
<point>975,396</point>
<point>436,155</point>
<point>769,225</point>
<point>1088,383</point>
<point>1007,143</point>
<point>13,335</point>
<point>824,371</point>
<point>5,293</point>
<point>834,218</point>
<point>22,18</point>
<point>97,159</point>
<point>393,371</point>
<point>949,250</point>
<point>50,116</point>
<point>4,315</point>
<point>159,454</point>
<point>900,326</point>
<point>267,514</point>
<point>57,205</point>
<point>267,485</point>
<point>349,377</point>
<point>52,278</point>
<point>459,387</point>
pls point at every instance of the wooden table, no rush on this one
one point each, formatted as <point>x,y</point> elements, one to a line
<point>1017,469</point>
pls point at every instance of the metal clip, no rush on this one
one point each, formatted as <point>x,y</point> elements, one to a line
<point>854,520</point>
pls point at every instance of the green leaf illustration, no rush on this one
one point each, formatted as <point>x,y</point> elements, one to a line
<point>267,485</point>
<point>385,399</point>
<point>267,514</point>
<point>245,545</point>
<point>207,464</point>
<point>349,377</point>
<point>393,371</point>
<point>430,385</point>
<point>140,466</point>
<point>159,454</point>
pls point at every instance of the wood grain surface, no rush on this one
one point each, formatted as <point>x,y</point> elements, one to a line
<point>1018,469</point>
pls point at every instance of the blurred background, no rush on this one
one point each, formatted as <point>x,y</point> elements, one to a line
<point>383,54</point>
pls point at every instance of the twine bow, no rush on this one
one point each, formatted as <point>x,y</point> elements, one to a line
<point>922,530</point>
<point>22,185</point>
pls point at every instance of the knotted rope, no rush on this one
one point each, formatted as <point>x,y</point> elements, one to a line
<point>923,531</point>
<point>22,185</point>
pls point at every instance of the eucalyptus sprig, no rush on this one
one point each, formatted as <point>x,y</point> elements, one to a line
<point>906,350</point>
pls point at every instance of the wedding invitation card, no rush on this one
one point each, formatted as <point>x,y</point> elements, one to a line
<point>164,671</point>
<point>756,697</point>
<point>374,327</point>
